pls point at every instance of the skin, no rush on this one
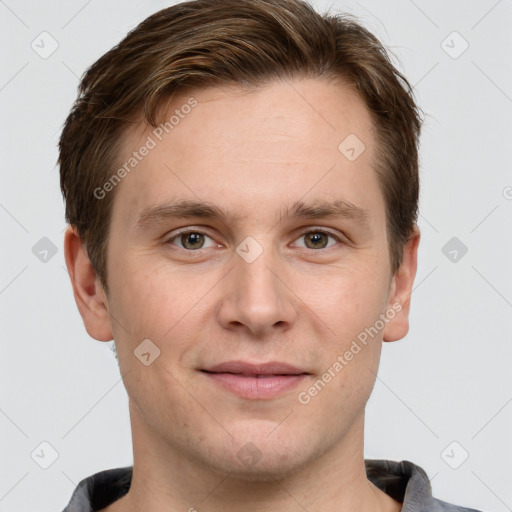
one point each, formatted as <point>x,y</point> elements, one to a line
<point>252,153</point>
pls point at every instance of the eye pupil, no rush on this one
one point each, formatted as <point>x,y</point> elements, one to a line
<point>193,237</point>
<point>315,238</point>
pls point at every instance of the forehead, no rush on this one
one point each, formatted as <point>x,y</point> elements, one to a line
<point>253,149</point>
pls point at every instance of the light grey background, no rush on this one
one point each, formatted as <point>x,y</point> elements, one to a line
<point>449,380</point>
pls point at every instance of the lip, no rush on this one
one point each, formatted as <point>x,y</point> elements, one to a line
<point>245,368</point>
<point>256,381</point>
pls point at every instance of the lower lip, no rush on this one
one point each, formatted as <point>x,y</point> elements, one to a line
<point>256,387</point>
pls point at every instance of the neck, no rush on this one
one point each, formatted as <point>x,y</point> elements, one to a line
<point>165,479</point>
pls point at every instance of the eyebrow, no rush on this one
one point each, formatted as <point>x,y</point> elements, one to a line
<point>184,209</point>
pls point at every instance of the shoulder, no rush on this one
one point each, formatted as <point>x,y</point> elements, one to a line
<point>100,490</point>
<point>442,506</point>
<point>409,484</point>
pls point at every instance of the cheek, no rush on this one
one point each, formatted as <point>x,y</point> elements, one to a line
<point>351,349</point>
<point>348,301</point>
<point>149,302</point>
<point>147,305</point>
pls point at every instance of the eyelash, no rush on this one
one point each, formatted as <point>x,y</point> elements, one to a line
<point>189,231</point>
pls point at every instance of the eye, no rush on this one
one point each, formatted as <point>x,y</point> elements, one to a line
<point>318,239</point>
<point>191,240</point>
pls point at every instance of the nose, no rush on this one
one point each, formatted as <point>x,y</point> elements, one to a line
<point>257,296</point>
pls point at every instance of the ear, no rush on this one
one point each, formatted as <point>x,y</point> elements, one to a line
<point>90,296</point>
<point>401,289</point>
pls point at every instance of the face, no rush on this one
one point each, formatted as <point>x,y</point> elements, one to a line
<point>255,308</point>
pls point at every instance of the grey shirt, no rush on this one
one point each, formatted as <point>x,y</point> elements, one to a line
<point>403,481</point>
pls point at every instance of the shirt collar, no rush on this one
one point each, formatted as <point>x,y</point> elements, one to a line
<point>404,481</point>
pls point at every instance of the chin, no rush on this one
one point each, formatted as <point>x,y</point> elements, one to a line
<point>261,461</point>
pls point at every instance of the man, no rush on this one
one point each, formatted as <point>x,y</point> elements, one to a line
<point>241,184</point>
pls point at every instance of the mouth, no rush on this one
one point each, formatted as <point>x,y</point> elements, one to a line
<point>255,381</point>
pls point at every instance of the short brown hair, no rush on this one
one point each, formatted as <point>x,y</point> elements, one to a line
<point>221,42</point>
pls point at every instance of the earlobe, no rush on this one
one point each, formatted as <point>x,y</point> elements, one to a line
<point>401,289</point>
<point>89,294</point>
